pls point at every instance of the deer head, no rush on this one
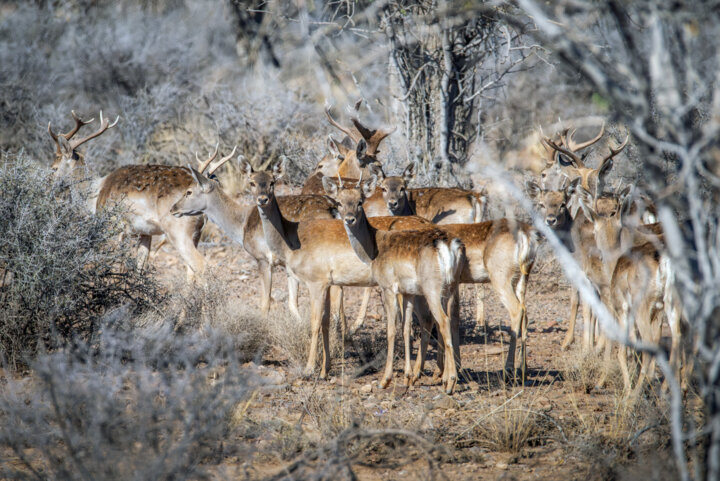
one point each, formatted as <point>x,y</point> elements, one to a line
<point>197,197</point>
<point>261,183</point>
<point>553,204</point>
<point>349,201</point>
<point>67,159</point>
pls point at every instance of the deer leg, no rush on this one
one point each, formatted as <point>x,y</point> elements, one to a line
<point>186,244</point>
<point>144,244</point>
<point>360,319</point>
<point>515,309</point>
<point>453,309</point>
<point>589,333</point>
<point>265,271</point>
<point>293,287</point>
<point>570,334</point>
<point>318,297</point>
<point>325,370</point>
<point>480,307</point>
<point>445,329</point>
<point>407,318</point>
<point>391,308</point>
<point>426,324</point>
<point>337,309</point>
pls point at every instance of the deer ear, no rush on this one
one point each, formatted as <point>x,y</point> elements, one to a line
<point>361,149</point>
<point>626,200</point>
<point>330,186</point>
<point>586,203</point>
<point>245,166</point>
<point>410,172</point>
<point>205,184</point>
<point>368,186</point>
<point>332,147</point>
<point>533,190</point>
<point>571,188</point>
<point>280,169</point>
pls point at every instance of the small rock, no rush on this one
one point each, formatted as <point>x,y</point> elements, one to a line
<point>501,465</point>
<point>446,402</point>
<point>552,325</point>
<point>367,388</point>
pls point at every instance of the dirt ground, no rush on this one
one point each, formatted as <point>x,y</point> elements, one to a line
<point>552,427</point>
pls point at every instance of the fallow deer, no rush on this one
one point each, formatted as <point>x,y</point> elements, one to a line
<point>356,154</point>
<point>146,191</point>
<point>642,293</point>
<point>320,264</point>
<point>501,252</point>
<point>440,205</point>
<point>241,222</point>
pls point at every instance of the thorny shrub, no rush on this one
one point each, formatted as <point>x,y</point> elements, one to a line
<point>61,268</point>
<point>134,404</point>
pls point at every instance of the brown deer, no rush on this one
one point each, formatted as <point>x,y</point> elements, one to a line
<point>642,293</point>
<point>241,222</point>
<point>439,205</point>
<point>557,167</point>
<point>500,252</point>
<point>319,253</point>
<point>147,192</point>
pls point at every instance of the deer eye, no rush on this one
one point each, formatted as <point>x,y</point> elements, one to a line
<point>252,184</point>
<point>188,193</point>
<point>383,189</point>
<point>541,205</point>
<point>402,189</point>
<point>543,175</point>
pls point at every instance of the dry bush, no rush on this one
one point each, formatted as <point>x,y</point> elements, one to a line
<point>134,404</point>
<point>212,305</point>
<point>291,338</point>
<point>63,267</point>
<point>374,449</point>
<point>512,426</point>
<point>584,369</point>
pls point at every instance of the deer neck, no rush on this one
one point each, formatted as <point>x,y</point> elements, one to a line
<point>362,238</point>
<point>230,215</point>
<point>280,233</point>
<point>407,207</point>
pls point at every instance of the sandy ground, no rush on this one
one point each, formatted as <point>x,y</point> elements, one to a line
<point>465,425</point>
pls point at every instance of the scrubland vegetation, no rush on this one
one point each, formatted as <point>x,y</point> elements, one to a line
<point>114,372</point>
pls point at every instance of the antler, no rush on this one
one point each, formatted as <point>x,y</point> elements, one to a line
<point>613,153</point>
<point>575,159</point>
<point>372,137</point>
<point>78,123</point>
<point>104,125</point>
<point>202,165</point>
<point>570,143</point>
<point>348,132</point>
<point>222,161</point>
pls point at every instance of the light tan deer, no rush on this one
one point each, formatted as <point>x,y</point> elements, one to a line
<point>146,191</point>
<point>642,294</point>
<point>572,165</point>
<point>319,253</point>
<point>241,222</point>
<point>440,205</point>
<point>500,252</point>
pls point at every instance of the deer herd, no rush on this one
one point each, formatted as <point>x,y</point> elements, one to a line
<point>353,225</point>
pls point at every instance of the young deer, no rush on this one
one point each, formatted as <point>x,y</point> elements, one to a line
<point>318,253</point>
<point>642,291</point>
<point>147,191</point>
<point>500,252</point>
<point>241,222</point>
